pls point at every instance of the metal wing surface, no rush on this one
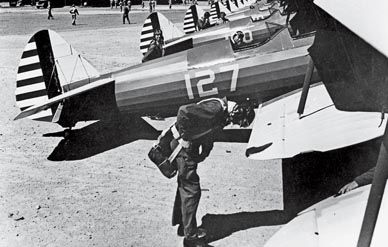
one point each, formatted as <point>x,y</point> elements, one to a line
<point>278,132</point>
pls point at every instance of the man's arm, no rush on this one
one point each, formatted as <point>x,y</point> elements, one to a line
<point>363,179</point>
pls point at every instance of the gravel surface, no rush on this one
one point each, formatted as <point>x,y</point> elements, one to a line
<point>112,195</point>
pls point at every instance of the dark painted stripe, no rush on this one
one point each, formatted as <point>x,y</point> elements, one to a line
<point>30,53</point>
<point>29,81</point>
<point>29,67</point>
<point>26,107</point>
<point>155,21</point>
<point>147,31</point>
<point>45,119</point>
<point>189,17</point>
<point>144,40</point>
<point>30,95</point>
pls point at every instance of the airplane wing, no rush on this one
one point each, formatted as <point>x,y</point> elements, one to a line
<point>278,132</point>
<point>335,221</point>
<point>365,28</point>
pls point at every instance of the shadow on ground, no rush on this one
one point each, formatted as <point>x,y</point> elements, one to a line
<point>105,135</point>
<point>219,226</point>
<point>101,136</point>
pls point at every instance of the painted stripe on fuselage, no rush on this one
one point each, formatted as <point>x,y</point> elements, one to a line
<point>257,76</point>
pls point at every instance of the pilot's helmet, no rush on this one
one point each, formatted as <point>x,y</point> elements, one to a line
<point>206,15</point>
<point>238,37</point>
<point>242,114</point>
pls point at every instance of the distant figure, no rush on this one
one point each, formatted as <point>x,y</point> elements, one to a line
<point>155,49</point>
<point>237,39</point>
<point>74,13</point>
<point>49,11</point>
<point>153,5</point>
<point>116,3</point>
<point>112,2</point>
<point>169,4</point>
<point>150,3</point>
<point>129,5</point>
<point>204,21</point>
<point>142,4</point>
<point>126,14</point>
<point>121,5</point>
<point>222,19</point>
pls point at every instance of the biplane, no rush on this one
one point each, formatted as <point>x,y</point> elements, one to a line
<point>56,84</point>
<point>254,33</point>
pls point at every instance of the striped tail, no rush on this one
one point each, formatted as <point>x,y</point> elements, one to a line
<point>48,67</point>
<point>215,11</point>
<point>157,21</point>
<point>191,19</point>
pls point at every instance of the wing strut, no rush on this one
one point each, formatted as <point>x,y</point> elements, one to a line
<point>376,195</point>
<point>306,87</point>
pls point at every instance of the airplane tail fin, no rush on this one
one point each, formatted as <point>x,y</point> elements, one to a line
<point>157,21</point>
<point>192,15</point>
<point>49,66</point>
<point>215,11</point>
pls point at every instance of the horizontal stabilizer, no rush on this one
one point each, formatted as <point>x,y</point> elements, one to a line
<point>46,104</point>
<point>48,67</point>
<point>278,132</point>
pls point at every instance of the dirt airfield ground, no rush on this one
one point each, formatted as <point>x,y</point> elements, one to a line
<point>105,192</point>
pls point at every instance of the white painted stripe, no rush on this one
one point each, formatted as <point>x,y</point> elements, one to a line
<point>143,50</point>
<point>145,43</point>
<point>29,74</point>
<point>188,21</point>
<point>147,28</point>
<point>190,30</point>
<point>188,15</point>
<point>30,46</point>
<point>41,114</point>
<point>189,26</point>
<point>148,20</point>
<point>29,60</point>
<point>30,88</point>
<point>32,101</point>
<point>147,35</point>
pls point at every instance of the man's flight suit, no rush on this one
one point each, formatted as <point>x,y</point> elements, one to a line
<point>202,119</point>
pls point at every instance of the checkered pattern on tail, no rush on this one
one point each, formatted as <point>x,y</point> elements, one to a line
<point>30,85</point>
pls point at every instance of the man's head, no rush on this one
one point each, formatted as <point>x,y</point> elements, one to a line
<point>158,35</point>
<point>206,15</point>
<point>242,114</point>
<point>238,38</point>
<point>222,15</point>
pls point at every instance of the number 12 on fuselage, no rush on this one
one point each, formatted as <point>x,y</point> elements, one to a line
<point>204,80</point>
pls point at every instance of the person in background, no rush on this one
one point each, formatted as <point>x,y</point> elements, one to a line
<point>74,13</point>
<point>155,49</point>
<point>121,5</point>
<point>204,21</point>
<point>126,14</point>
<point>50,15</point>
<point>222,19</point>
